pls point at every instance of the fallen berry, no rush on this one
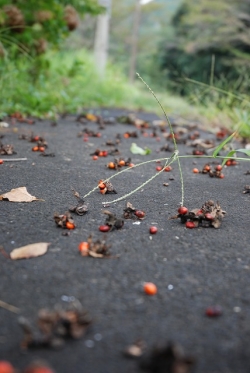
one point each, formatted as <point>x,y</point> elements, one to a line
<point>6,367</point>
<point>221,176</point>
<point>104,228</point>
<point>70,225</point>
<point>41,148</point>
<point>95,157</point>
<point>121,163</point>
<point>111,165</point>
<point>150,288</point>
<point>182,210</point>
<point>35,148</point>
<point>158,168</point>
<point>214,311</point>
<point>153,230</point>
<point>1,161</point>
<point>83,248</point>
<point>168,168</point>
<point>218,167</point>
<point>190,225</point>
<point>195,170</point>
<point>140,214</point>
<point>104,153</point>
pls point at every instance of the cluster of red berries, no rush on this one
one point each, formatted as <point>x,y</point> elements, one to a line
<point>209,215</point>
<point>118,163</point>
<point>99,153</point>
<point>208,170</point>
<point>41,144</point>
<point>167,168</point>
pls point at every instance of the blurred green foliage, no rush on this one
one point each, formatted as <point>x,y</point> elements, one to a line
<point>30,27</point>
<point>211,42</point>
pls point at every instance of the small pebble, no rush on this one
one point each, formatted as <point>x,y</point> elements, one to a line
<point>89,343</point>
<point>170,287</point>
<point>98,337</point>
<point>237,309</point>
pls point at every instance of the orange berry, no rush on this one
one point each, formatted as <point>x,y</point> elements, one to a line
<point>6,367</point>
<point>222,176</point>
<point>158,168</point>
<point>70,225</point>
<point>150,288</point>
<point>168,168</point>
<point>103,191</point>
<point>195,170</point>
<point>111,165</point>
<point>95,157</point>
<point>228,162</point>
<point>83,248</point>
<point>100,154</point>
<point>35,148</point>
<point>126,135</point>
<point>1,161</point>
<point>131,165</point>
<point>41,148</point>
<point>35,138</point>
<point>121,162</point>
<point>101,185</point>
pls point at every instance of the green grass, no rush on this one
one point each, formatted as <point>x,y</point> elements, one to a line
<point>67,82</point>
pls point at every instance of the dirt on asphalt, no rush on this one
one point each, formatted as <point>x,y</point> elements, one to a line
<point>193,269</point>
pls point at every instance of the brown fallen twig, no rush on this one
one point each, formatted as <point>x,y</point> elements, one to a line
<point>9,307</point>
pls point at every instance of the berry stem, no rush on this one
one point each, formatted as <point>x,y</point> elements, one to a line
<point>172,132</point>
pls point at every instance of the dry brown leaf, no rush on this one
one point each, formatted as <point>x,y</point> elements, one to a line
<point>30,251</point>
<point>19,195</point>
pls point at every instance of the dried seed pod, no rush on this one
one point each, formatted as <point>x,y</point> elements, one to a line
<point>71,17</point>
<point>15,18</point>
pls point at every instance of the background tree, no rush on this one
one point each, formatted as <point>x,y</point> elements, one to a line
<point>32,27</point>
<point>203,29</point>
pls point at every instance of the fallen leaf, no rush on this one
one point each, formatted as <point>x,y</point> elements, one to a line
<point>30,251</point>
<point>19,195</point>
<point>135,149</point>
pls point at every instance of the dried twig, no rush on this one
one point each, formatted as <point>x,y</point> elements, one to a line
<point>9,307</point>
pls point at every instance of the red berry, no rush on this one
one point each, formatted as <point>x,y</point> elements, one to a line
<point>168,168</point>
<point>104,153</point>
<point>209,216</point>
<point>190,225</point>
<point>158,168</point>
<point>1,161</point>
<point>104,228</point>
<point>195,170</point>
<point>95,157</point>
<point>199,212</point>
<point>85,139</point>
<point>214,311</point>
<point>150,288</point>
<point>218,167</point>
<point>6,367</point>
<point>140,214</point>
<point>229,162</point>
<point>70,225</point>
<point>182,210</point>
<point>222,176</point>
<point>153,230</point>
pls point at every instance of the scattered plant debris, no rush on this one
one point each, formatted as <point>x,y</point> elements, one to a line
<point>112,221</point>
<point>246,189</point>
<point>117,164</point>
<point>55,327</point>
<point>168,359</point>
<point>96,249</point>
<point>130,212</point>
<point>136,349</point>
<point>106,187</point>
<point>209,215</point>
<point>6,149</point>
<point>128,134</point>
<point>64,220</point>
<point>30,251</point>
<point>100,153</point>
<point>18,195</point>
<point>81,208</point>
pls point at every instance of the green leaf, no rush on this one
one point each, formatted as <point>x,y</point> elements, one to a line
<point>245,151</point>
<point>221,145</point>
<point>135,149</point>
<point>229,155</point>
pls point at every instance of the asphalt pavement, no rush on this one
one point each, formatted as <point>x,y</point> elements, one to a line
<point>193,269</point>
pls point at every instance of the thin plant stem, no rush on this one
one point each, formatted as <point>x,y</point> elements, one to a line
<point>172,159</point>
<point>172,132</point>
